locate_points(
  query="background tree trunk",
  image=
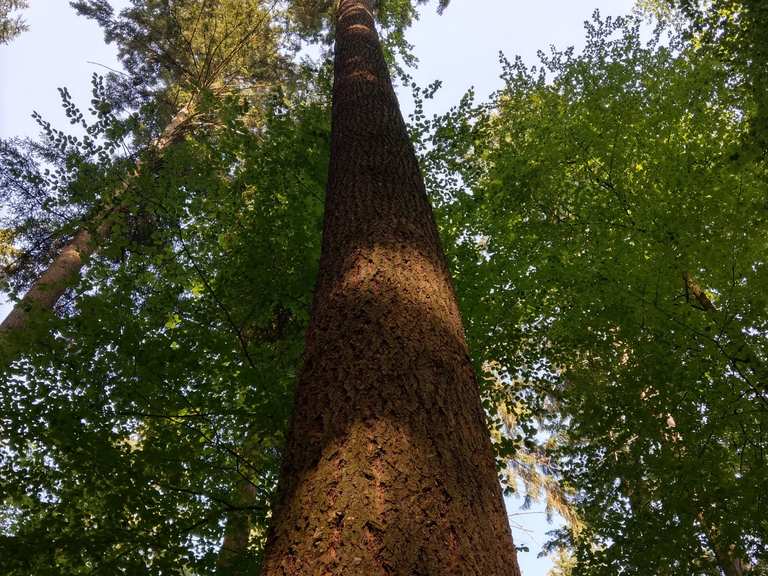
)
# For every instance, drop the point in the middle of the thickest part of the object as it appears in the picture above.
(233, 554)
(389, 467)
(64, 271)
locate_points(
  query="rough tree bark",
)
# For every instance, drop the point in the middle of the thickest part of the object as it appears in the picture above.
(48, 289)
(389, 467)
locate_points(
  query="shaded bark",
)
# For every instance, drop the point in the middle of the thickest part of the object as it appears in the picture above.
(65, 269)
(233, 555)
(389, 467)
(726, 555)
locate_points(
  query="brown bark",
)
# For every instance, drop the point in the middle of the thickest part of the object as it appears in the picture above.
(726, 555)
(46, 290)
(692, 289)
(389, 467)
(65, 269)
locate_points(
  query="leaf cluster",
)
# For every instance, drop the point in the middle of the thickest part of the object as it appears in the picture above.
(10, 25)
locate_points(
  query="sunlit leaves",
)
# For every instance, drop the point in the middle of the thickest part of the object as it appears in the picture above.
(169, 382)
(583, 195)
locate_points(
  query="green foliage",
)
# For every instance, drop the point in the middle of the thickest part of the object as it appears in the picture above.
(313, 19)
(10, 25)
(564, 564)
(131, 422)
(733, 31)
(179, 53)
(572, 208)
(392, 14)
(170, 382)
(604, 216)
(48, 186)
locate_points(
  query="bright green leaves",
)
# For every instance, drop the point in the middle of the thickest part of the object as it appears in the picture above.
(583, 195)
(169, 382)
(571, 207)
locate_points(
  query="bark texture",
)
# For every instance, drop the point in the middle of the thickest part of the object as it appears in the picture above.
(389, 467)
(65, 269)
(50, 287)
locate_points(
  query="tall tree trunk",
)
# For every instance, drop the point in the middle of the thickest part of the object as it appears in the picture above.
(48, 289)
(234, 558)
(389, 467)
(727, 557)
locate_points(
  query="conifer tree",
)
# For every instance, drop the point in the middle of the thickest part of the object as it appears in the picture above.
(179, 58)
(11, 25)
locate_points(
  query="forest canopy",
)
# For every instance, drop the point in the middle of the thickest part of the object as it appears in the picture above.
(603, 217)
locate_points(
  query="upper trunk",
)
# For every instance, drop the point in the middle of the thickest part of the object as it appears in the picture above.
(389, 467)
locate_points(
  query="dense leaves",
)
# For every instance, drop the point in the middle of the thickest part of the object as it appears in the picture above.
(170, 383)
(608, 221)
(605, 218)
(162, 427)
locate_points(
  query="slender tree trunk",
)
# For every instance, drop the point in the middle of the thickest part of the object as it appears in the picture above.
(234, 558)
(389, 468)
(743, 359)
(726, 556)
(46, 291)
(63, 272)
(237, 534)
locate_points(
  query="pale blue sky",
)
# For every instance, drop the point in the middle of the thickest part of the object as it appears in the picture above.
(460, 48)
